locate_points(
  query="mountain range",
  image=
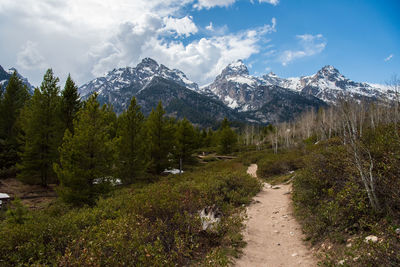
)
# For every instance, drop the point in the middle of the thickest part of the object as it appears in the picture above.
(234, 93)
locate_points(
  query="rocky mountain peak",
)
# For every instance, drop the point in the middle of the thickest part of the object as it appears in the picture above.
(329, 72)
(235, 68)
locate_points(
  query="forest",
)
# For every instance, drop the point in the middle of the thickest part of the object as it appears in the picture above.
(116, 205)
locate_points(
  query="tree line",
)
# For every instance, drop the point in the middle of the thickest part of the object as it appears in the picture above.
(54, 137)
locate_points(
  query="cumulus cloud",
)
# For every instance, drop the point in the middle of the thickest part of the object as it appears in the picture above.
(389, 58)
(88, 38)
(309, 45)
(29, 57)
(184, 26)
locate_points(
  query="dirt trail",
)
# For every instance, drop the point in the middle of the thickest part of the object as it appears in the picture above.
(273, 236)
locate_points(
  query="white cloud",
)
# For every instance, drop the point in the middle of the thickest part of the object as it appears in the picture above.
(389, 58)
(29, 57)
(272, 2)
(88, 37)
(207, 4)
(184, 26)
(309, 45)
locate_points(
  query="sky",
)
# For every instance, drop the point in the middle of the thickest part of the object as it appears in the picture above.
(88, 38)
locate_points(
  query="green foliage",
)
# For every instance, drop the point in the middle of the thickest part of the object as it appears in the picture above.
(277, 164)
(17, 213)
(227, 138)
(132, 161)
(185, 141)
(70, 103)
(160, 133)
(11, 103)
(152, 225)
(42, 132)
(86, 158)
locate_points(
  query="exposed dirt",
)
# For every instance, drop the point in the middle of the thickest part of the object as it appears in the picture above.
(33, 196)
(273, 236)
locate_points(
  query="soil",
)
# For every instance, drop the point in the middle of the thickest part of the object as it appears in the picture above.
(274, 238)
(33, 196)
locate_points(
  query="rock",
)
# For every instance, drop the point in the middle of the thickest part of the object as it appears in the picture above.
(287, 193)
(291, 233)
(398, 231)
(294, 254)
(275, 187)
(278, 244)
(341, 262)
(210, 217)
(349, 245)
(371, 238)
(276, 231)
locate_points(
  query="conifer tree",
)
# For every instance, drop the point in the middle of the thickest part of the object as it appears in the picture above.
(159, 131)
(185, 141)
(227, 138)
(86, 158)
(13, 100)
(132, 160)
(70, 103)
(42, 130)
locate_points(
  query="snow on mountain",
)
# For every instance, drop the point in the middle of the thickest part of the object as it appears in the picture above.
(6, 74)
(328, 84)
(136, 78)
(234, 86)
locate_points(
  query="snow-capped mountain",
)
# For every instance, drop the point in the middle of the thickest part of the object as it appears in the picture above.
(328, 84)
(127, 82)
(235, 87)
(6, 74)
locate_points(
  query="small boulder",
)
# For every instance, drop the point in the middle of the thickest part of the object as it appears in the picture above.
(371, 238)
(210, 217)
(397, 231)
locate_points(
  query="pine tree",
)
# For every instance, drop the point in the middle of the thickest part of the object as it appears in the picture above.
(42, 129)
(227, 138)
(159, 131)
(86, 158)
(132, 160)
(70, 103)
(185, 142)
(13, 100)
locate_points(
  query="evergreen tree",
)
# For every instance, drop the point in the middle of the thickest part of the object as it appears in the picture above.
(70, 103)
(131, 144)
(86, 158)
(13, 100)
(42, 129)
(227, 138)
(185, 141)
(159, 131)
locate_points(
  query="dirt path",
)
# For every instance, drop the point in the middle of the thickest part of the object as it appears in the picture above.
(273, 236)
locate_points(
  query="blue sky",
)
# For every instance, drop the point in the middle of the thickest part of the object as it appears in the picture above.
(87, 38)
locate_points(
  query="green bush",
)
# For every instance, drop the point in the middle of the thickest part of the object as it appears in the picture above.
(147, 225)
(278, 164)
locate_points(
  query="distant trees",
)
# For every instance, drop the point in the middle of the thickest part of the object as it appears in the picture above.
(185, 142)
(86, 157)
(131, 144)
(11, 103)
(227, 138)
(160, 133)
(70, 103)
(42, 132)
